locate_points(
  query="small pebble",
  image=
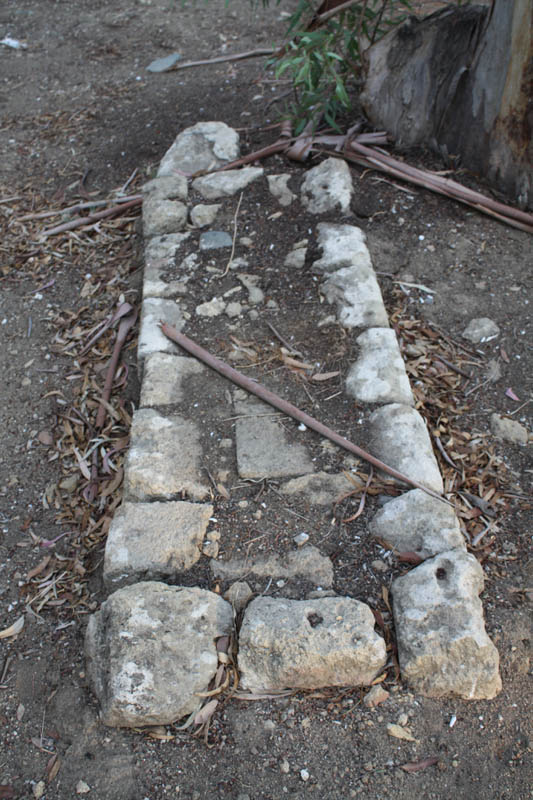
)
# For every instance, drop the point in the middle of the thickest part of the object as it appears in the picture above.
(304, 774)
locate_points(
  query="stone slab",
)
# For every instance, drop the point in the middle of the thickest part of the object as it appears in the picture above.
(306, 563)
(154, 541)
(418, 523)
(165, 378)
(308, 644)
(327, 187)
(202, 146)
(227, 183)
(169, 187)
(150, 648)
(321, 488)
(263, 448)
(399, 438)
(378, 375)
(443, 647)
(164, 459)
(160, 256)
(356, 293)
(151, 339)
(342, 246)
(162, 216)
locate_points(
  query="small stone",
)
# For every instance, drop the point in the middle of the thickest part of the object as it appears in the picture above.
(508, 429)
(210, 549)
(38, 789)
(255, 294)
(211, 308)
(227, 183)
(379, 566)
(26, 382)
(285, 767)
(233, 310)
(239, 594)
(202, 146)
(304, 774)
(400, 733)
(321, 488)
(163, 216)
(82, 788)
(277, 185)
(301, 539)
(327, 187)
(403, 719)
(164, 64)
(375, 696)
(306, 563)
(296, 258)
(481, 329)
(215, 240)
(203, 215)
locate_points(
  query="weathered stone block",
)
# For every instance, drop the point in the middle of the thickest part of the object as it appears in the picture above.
(163, 216)
(307, 644)
(442, 644)
(226, 184)
(154, 541)
(378, 375)
(150, 647)
(322, 488)
(305, 564)
(159, 258)
(165, 378)
(327, 187)
(202, 146)
(357, 295)
(342, 246)
(151, 339)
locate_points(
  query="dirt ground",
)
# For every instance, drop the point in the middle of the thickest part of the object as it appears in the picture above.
(80, 113)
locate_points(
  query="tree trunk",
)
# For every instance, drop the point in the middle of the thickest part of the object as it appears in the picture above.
(461, 81)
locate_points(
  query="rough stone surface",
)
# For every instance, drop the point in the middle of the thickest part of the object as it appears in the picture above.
(508, 429)
(357, 295)
(202, 146)
(164, 459)
(226, 184)
(165, 377)
(306, 563)
(342, 246)
(277, 185)
(151, 339)
(481, 330)
(417, 523)
(162, 216)
(263, 447)
(160, 257)
(255, 294)
(203, 215)
(327, 187)
(399, 438)
(211, 308)
(295, 259)
(378, 375)
(307, 644)
(170, 187)
(321, 488)
(150, 647)
(214, 240)
(154, 541)
(442, 644)
(239, 595)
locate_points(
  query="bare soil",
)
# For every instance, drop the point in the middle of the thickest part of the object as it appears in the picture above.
(79, 114)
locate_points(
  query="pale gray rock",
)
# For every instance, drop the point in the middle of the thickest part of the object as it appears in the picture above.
(327, 187)
(278, 187)
(203, 215)
(357, 295)
(169, 187)
(417, 523)
(296, 258)
(442, 644)
(160, 256)
(165, 378)
(481, 330)
(211, 308)
(151, 338)
(163, 64)
(154, 541)
(263, 447)
(399, 438)
(308, 644)
(150, 648)
(233, 310)
(321, 488)
(255, 293)
(508, 429)
(227, 183)
(164, 459)
(163, 216)
(378, 375)
(239, 595)
(214, 240)
(202, 146)
(306, 563)
(342, 246)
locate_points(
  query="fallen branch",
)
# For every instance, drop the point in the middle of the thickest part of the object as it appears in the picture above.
(136, 200)
(220, 59)
(283, 405)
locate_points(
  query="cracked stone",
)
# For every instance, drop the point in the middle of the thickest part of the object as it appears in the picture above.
(306, 563)
(160, 257)
(378, 375)
(202, 146)
(151, 338)
(342, 246)
(165, 377)
(356, 293)
(327, 187)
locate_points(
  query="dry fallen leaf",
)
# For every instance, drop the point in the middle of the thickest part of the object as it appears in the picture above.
(45, 437)
(13, 629)
(206, 712)
(400, 733)
(509, 392)
(324, 376)
(416, 766)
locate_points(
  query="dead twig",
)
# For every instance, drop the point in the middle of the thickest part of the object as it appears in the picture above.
(228, 265)
(263, 51)
(108, 212)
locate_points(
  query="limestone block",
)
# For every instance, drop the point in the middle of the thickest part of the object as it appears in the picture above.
(159, 258)
(263, 447)
(442, 644)
(306, 563)
(154, 541)
(399, 438)
(164, 459)
(307, 644)
(227, 183)
(356, 293)
(321, 488)
(151, 339)
(202, 146)
(165, 378)
(378, 375)
(327, 187)
(150, 647)
(418, 523)
(342, 246)
(163, 216)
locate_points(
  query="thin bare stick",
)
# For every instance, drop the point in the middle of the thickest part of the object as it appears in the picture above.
(228, 265)
(283, 405)
(284, 341)
(220, 59)
(78, 223)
